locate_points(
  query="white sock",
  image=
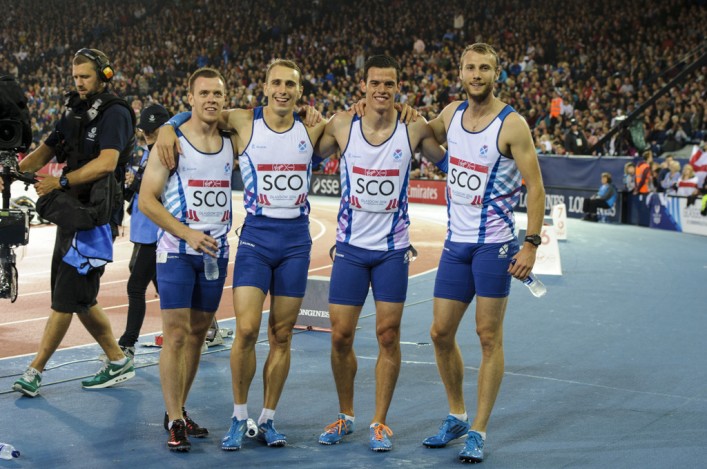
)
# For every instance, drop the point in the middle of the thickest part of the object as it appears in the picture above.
(267, 414)
(122, 361)
(350, 418)
(240, 411)
(463, 417)
(483, 434)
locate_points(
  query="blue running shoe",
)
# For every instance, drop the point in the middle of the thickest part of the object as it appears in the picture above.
(268, 434)
(451, 429)
(474, 449)
(335, 432)
(379, 437)
(234, 438)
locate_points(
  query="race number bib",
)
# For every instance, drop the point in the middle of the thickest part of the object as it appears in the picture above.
(467, 182)
(282, 185)
(208, 201)
(375, 190)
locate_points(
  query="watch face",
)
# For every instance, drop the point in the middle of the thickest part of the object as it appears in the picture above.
(534, 239)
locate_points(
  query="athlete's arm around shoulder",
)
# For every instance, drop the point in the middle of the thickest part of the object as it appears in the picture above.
(335, 134)
(422, 135)
(239, 121)
(440, 124)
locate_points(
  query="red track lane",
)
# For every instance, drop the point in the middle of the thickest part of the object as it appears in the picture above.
(22, 322)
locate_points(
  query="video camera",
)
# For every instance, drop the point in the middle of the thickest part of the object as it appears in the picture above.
(15, 136)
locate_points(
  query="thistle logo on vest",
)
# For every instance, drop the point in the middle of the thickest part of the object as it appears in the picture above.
(227, 168)
(302, 146)
(397, 154)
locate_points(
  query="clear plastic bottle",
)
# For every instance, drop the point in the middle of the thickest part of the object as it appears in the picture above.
(210, 267)
(536, 287)
(8, 451)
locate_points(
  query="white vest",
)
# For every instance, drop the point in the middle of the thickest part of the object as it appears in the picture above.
(374, 183)
(276, 168)
(483, 185)
(198, 194)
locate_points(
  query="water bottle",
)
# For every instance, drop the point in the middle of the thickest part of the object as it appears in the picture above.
(210, 267)
(536, 287)
(251, 429)
(8, 451)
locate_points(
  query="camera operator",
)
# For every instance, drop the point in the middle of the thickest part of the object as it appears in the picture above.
(93, 136)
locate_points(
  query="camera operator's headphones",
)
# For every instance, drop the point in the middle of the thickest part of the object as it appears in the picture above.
(103, 68)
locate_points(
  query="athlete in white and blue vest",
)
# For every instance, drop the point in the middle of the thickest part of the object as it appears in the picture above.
(490, 148)
(192, 207)
(372, 239)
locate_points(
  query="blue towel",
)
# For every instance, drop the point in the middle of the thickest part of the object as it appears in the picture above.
(90, 249)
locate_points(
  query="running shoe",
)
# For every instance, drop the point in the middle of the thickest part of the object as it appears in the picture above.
(193, 428)
(379, 434)
(451, 429)
(335, 432)
(473, 451)
(270, 436)
(110, 374)
(178, 440)
(234, 438)
(30, 382)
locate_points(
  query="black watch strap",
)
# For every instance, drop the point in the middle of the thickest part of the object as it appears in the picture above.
(535, 240)
(64, 181)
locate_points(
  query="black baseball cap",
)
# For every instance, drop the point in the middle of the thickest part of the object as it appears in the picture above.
(152, 117)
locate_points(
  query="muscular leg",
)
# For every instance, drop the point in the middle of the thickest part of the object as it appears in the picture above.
(343, 359)
(176, 327)
(489, 328)
(54, 332)
(97, 324)
(450, 364)
(388, 317)
(200, 323)
(248, 308)
(283, 315)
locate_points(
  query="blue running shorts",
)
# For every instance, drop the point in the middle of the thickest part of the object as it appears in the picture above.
(273, 255)
(468, 269)
(356, 268)
(182, 283)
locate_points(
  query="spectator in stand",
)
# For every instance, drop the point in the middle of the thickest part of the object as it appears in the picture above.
(332, 164)
(687, 185)
(629, 177)
(670, 180)
(575, 141)
(605, 198)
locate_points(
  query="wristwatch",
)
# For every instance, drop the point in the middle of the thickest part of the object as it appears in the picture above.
(535, 240)
(64, 182)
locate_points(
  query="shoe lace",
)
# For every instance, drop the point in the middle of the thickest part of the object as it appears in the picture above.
(337, 427)
(29, 374)
(103, 368)
(379, 429)
(177, 430)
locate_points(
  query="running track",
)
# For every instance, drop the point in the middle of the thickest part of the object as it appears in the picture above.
(22, 322)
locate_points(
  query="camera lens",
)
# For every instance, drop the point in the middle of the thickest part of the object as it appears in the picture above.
(10, 134)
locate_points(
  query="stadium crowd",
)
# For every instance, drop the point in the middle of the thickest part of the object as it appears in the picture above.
(598, 60)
